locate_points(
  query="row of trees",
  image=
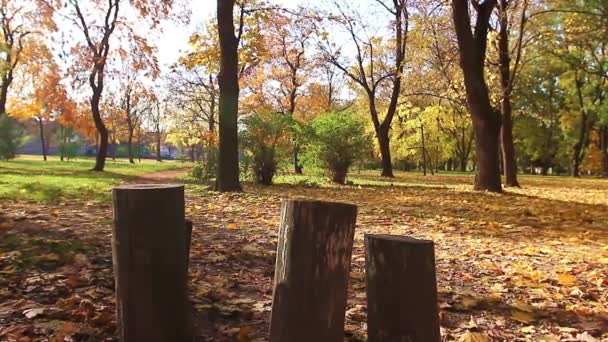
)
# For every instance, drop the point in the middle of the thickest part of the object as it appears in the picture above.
(494, 85)
(468, 73)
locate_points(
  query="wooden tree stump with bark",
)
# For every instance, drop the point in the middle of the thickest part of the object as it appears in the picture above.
(149, 248)
(401, 289)
(312, 271)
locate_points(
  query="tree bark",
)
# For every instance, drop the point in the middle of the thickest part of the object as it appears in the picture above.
(486, 122)
(578, 150)
(506, 84)
(423, 150)
(604, 149)
(42, 140)
(130, 145)
(312, 271)
(149, 250)
(385, 151)
(102, 152)
(228, 159)
(401, 289)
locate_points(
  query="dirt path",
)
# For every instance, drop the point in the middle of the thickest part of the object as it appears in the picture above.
(167, 176)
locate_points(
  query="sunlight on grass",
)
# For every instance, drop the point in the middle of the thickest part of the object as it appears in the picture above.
(30, 178)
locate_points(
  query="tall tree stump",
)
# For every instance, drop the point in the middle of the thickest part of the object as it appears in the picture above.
(149, 249)
(401, 289)
(312, 271)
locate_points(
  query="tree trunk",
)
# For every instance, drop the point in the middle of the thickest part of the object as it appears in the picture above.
(42, 140)
(228, 161)
(506, 133)
(158, 143)
(312, 271)
(423, 150)
(150, 254)
(63, 142)
(102, 152)
(7, 79)
(487, 146)
(401, 289)
(486, 122)
(463, 164)
(385, 152)
(604, 149)
(296, 161)
(130, 145)
(578, 150)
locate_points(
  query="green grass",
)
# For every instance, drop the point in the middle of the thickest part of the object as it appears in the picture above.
(32, 179)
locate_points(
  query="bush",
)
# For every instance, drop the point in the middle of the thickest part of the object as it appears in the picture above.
(69, 150)
(206, 169)
(11, 137)
(336, 140)
(267, 142)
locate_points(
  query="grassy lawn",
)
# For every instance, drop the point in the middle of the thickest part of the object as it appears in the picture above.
(30, 178)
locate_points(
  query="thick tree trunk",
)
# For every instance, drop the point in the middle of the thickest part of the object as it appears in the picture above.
(102, 152)
(463, 163)
(486, 122)
(158, 143)
(228, 161)
(487, 146)
(42, 140)
(385, 151)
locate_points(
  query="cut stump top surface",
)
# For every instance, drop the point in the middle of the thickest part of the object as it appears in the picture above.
(148, 186)
(398, 238)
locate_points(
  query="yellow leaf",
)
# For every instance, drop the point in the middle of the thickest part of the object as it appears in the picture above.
(55, 212)
(232, 226)
(566, 279)
(473, 337)
(523, 316)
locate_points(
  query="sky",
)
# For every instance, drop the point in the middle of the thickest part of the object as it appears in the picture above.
(173, 41)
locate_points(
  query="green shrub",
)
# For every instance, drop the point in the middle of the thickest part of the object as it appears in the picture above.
(267, 142)
(206, 169)
(336, 141)
(11, 137)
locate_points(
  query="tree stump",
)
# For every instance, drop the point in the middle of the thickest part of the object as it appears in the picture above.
(312, 271)
(401, 289)
(149, 249)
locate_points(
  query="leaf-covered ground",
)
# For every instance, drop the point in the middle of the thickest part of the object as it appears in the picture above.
(531, 265)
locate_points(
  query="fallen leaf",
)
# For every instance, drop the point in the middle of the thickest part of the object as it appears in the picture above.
(31, 313)
(523, 316)
(566, 279)
(473, 337)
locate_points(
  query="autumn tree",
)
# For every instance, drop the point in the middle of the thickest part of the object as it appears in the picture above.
(100, 23)
(377, 63)
(486, 120)
(20, 22)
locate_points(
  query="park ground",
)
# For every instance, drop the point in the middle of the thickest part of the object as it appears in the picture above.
(529, 265)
